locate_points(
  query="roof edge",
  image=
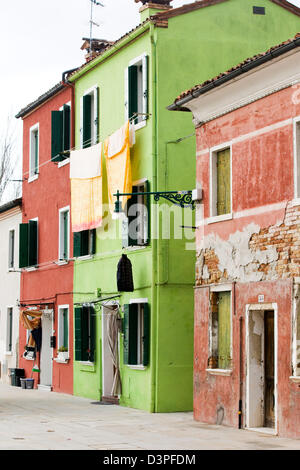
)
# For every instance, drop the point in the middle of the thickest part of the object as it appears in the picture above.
(42, 99)
(10, 205)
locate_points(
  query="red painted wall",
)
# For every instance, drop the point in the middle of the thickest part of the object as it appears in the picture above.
(262, 174)
(43, 198)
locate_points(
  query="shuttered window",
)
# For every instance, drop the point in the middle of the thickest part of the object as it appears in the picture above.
(60, 133)
(84, 243)
(136, 334)
(11, 249)
(28, 244)
(220, 330)
(64, 230)
(223, 182)
(85, 334)
(34, 152)
(136, 90)
(136, 224)
(63, 327)
(89, 118)
(9, 331)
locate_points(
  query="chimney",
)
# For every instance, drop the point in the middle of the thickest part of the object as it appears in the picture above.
(98, 46)
(151, 8)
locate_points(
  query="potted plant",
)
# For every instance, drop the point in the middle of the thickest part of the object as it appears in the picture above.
(63, 353)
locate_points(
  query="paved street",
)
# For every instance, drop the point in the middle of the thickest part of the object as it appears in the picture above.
(33, 420)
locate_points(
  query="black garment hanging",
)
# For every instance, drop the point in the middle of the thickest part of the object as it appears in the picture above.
(124, 275)
(37, 336)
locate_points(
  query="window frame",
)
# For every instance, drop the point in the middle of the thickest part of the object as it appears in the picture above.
(296, 142)
(92, 240)
(63, 157)
(11, 248)
(213, 216)
(33, 266)
(61, 327)
(222, 288)
(79, 354)
(143, 90)
(9, 330)
(142, 351)
(144, 240)
(34, 170)
(61, 234)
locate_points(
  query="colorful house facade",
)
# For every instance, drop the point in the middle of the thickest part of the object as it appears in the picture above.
(45, 242)
(247, 315)
(10, 218)
(143, 339)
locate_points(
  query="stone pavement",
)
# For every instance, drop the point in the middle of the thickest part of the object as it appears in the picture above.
(38, 420)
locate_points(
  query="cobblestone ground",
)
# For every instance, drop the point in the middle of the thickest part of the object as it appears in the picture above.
(34, 420)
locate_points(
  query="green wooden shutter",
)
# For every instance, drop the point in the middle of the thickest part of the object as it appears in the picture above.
(78, 333)
(224, 330)
(56, 135)
(36, 152)
(126, 334)
(146, 336)
(87, 129)
(132, 233)
(85, 242)
(145, 87)
(92, 235)
(133, 332)
(92, 333)
(65, 234)
(66, 128)
(23, 245)
(85, 334)
(33, 243)
(223, 182)
(133, 91)
(96, 115)
(76, 244)
(147, 215)
(66, 328)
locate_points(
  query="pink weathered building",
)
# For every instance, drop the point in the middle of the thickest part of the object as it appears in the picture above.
(247, 292)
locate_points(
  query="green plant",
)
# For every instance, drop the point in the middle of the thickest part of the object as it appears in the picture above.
(63, 349)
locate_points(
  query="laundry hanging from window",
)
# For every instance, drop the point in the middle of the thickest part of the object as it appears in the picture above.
(86, 188)
(31, 320)
(118, 165)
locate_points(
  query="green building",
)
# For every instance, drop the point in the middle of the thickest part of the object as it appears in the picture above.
(139, 75)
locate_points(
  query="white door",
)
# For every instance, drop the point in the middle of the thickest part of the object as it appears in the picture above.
(46, 352)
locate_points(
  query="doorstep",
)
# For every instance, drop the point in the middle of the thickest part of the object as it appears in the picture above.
(45, 388)
(112, 400)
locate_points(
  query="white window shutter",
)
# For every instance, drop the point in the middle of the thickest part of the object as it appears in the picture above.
(145, 87)
(126, 97)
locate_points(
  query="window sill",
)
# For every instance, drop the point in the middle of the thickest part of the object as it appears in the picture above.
(84, 257)
(219, 218)
(61, 361)
(61, 262)
(31, 268)
(137, 367)
(135, 248)
(32, 178)
(295, 379)
(140, 125)
(8, 353)
(223, 372)
(63, 163)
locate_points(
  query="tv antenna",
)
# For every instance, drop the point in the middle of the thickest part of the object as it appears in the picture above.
(92, 22)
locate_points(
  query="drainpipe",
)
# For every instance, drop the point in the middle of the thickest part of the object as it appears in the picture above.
(240, 375)
(154, 288)
(72, 85)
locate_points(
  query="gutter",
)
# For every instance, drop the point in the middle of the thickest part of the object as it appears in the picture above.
(109, 52)
(246, 67)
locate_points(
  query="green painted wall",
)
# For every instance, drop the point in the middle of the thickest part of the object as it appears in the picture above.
(195, 46)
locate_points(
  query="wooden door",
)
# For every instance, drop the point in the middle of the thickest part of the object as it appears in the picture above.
(269, 370)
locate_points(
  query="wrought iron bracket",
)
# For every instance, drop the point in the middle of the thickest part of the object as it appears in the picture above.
(179, 198)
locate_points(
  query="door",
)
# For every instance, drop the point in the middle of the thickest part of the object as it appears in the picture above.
(269, 370)
(108, 369)
(46, 352)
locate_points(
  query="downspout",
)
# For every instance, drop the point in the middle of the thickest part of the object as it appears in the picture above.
(240, 412)
(153, 403)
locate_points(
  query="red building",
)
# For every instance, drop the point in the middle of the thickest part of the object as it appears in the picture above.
(247, 307)
(45, 241)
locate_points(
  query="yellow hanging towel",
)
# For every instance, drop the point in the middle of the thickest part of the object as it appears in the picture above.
(86, 188)
(118, 166)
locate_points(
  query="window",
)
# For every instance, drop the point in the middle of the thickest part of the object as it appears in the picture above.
(297, 157)
(135, 224)
(85, 334)
(34, 152)
(28, 244)
(61, 133)
(63, 327)
(9, 329)
(84, 243)
(136, 90)
(11, 249)
(136, 331)
(89, 131)
(220, 330)
(64, 233)
(220, 182)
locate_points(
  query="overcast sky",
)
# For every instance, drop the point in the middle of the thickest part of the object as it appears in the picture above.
(40, 39)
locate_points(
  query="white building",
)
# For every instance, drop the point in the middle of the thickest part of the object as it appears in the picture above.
(10, 218)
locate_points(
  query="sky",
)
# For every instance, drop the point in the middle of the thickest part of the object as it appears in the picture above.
(40, 39)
